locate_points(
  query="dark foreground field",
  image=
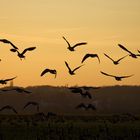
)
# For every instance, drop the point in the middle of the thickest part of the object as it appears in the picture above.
(39, 127)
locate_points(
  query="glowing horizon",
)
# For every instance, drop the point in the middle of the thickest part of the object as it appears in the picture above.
(43, 23)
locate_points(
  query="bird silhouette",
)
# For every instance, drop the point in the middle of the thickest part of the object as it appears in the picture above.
(86, 106)
(32, 103)
(118, 78)
(82, 93)
(76, 90)
(138, 51)
(86, 94)
(72, 48)
(71, 72)
(9, 42)
(90, 55)
(115, 62)
(130, 53)
(22, 55)
(9, 107)
(20, 90)
(52, 71)
(6, 80)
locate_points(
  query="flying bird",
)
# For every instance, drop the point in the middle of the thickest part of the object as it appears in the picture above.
(22, 55)
(9, 107)
(76, 90)
(52, 71)
(116, 62)
(86, 94)
(32, 103)
(130, 53)
(90, 55)
(86, 106)
(71, 72)
(118, 78)
(6, 80)
(9, 42)
(82, 93)
(72, 48)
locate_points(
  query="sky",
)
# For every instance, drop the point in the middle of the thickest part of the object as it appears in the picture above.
(42, 23)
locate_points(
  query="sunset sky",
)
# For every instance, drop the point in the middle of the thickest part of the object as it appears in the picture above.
(42, 23)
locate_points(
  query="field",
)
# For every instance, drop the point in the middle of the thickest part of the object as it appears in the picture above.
(39, 127)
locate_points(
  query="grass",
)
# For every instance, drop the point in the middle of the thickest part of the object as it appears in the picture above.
(120, 127)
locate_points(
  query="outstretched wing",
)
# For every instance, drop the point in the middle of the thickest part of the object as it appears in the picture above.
(45, 71)
(28, 49)
(14, 110)
(13, 46)
(108, 57)
(90, 55)
(75, 90)
(66, 41)
(122, 58)
(107, 74)
(126, 76)
(85, 57)
(121, 46)
(9, 42)
(10, 79)
(77, 68)
(27, 105)
(67, 66)
(82, 105)
(79, 44)
(91, 106)
(5, 41)
(88, 94)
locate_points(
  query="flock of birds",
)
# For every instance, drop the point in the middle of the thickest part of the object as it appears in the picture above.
(71, 71)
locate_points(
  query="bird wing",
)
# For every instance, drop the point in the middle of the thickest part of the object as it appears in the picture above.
(10, 79)
(97, 57)
(77, 68)
(85, 57)
(138, 51)
(88, 94)
(121, 46)
(108, 57)
(5, 41)
(45, 71)
(107, 74)
(90, 55)
(27, 105)
(28, 49)
(82, 105)
(66, 41)
(27, 91)
(3, 108)
(14, 110)
(126, 76)
(76, 90)
(122, 58)
(13, 46)
(67, 66)
(79, 44)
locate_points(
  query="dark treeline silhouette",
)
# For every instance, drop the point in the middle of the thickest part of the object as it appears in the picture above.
(61, 100)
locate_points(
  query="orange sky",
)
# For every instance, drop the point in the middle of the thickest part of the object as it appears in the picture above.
(42, 23)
